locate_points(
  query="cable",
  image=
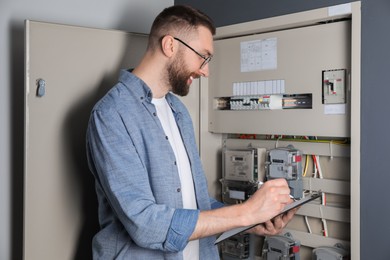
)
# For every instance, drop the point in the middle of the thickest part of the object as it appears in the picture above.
(306, 166)
(316, 159)
(307, 224)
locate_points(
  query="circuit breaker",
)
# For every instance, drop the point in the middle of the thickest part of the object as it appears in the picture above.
(333, 87)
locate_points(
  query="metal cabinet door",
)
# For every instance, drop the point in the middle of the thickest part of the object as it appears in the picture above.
(78, 65)
(68, 68)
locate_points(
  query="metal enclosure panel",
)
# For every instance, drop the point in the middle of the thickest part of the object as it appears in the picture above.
(78, 65)
(302, 54)
(212, 141)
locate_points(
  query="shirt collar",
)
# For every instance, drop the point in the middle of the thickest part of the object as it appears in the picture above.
(143, 92)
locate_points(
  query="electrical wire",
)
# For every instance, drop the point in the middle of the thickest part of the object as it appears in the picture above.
(316, 159)
(308, 225)
(306, 165)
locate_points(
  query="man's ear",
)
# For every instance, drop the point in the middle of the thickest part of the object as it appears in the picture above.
(168, 45)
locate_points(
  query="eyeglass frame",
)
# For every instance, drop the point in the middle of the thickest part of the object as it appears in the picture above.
(206, 59)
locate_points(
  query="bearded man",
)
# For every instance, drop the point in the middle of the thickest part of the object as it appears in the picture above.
(151, 188)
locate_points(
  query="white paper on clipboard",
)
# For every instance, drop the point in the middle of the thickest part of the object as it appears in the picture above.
(288, 207)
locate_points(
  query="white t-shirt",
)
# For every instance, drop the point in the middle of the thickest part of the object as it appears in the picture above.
(164, 113)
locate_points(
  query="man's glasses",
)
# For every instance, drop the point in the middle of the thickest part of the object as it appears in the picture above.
(206, 59)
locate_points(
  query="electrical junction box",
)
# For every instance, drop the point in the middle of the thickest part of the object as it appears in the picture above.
(330, 253)
(333, 87)
(281, 248)
(286, 162)
(236, 247)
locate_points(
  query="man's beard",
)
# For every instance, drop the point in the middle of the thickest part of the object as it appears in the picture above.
(178, 76)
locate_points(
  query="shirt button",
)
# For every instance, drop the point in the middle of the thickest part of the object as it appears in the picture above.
(178, 190)
(154, 113)
(174, 162)
(166, 137)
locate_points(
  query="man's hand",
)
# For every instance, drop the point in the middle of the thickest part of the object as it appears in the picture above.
(267, 202)
(275, 225)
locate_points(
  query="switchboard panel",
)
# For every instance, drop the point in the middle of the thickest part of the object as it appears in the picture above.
(278, 77)
(287, 93)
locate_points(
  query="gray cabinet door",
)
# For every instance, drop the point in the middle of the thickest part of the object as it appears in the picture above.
(78, 65)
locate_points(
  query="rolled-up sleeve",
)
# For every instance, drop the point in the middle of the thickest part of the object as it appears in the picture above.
(215, 204)
(182, 226)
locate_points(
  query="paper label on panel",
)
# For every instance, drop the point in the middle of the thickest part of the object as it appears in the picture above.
(340, 9)
(259, 55)
(334, 109)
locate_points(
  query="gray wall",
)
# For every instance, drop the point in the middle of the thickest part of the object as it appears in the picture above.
(375, 128)
(127, 15)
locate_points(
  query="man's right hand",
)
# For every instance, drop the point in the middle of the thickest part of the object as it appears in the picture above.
(267, 202)
(264, 204)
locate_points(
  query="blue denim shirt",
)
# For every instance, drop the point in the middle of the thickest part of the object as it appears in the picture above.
(137, 183)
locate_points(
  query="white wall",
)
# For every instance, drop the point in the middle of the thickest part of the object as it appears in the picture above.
(127, 15)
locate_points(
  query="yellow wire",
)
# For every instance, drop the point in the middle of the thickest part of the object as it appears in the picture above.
(341, 142)
(306, 165)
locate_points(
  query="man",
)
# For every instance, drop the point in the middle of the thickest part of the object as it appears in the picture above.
(151, 189)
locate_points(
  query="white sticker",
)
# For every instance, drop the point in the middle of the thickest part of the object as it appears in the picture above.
(340, 9)
(334, 109)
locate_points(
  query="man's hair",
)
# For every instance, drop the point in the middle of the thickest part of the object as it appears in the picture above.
(178, 21)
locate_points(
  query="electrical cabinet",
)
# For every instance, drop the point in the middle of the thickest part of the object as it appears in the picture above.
(289, 81)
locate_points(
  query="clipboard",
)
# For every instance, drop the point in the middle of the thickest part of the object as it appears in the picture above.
(288, 207)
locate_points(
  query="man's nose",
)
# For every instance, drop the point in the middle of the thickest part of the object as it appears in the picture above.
(204, 71)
